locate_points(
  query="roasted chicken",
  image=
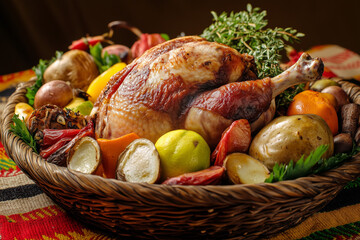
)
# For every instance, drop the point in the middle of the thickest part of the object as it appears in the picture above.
(190, 83)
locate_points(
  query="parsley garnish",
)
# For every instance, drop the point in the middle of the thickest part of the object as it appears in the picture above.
(313, 164)
(20, 129)
(39, 72)
(245, 31)
(103, 62)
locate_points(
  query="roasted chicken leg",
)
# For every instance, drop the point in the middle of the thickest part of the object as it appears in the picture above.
(190, 83)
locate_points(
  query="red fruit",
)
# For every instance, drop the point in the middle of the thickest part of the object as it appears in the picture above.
(210, 176)
(236, 138)
(145, 42)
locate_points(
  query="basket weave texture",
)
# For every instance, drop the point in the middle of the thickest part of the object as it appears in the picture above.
(162, 211)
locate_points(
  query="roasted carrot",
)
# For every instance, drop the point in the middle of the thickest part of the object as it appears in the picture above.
(110, 150)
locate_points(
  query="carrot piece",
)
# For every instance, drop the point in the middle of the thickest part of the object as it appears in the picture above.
(110, 149)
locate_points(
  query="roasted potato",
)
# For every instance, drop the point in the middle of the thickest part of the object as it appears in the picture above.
(289, 137)
(56, 92)
(76, 67)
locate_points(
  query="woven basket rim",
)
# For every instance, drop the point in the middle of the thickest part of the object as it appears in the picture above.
(84, 182)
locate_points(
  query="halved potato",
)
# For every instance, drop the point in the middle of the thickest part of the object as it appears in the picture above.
(84, 156)
(242, 168)
(139, 162)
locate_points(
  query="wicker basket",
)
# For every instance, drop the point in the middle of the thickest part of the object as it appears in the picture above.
(162, 212)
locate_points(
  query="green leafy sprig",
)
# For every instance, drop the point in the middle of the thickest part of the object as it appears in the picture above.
(39, 72)
(245, 31)
(284, 99)
(20, 129)
(103, 61)
(313, 164)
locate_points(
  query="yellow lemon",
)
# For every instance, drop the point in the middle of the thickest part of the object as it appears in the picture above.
(97, 85)
(182, 151)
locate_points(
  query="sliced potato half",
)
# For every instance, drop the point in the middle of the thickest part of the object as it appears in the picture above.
(242, 168)
(84, 156)
(139, 162)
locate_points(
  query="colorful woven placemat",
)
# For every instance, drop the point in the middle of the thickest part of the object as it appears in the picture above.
(28, 213)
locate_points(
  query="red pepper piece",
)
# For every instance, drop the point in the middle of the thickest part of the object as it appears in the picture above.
(210, 176)
(84, 43)
(60, 155)
(45, 153)
(236, 138)
(51, 136)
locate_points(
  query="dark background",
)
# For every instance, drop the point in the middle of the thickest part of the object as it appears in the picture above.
(34, 29)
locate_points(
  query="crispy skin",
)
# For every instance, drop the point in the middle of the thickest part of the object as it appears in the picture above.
(152, 95)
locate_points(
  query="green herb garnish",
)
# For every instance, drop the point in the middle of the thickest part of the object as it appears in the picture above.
(313, 164)
(20, 129)
(165, 36)
(284, 99)
(105, 61)
(39, 72)
(245, 32)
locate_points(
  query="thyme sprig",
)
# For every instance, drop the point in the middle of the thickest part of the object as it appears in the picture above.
(245, 31)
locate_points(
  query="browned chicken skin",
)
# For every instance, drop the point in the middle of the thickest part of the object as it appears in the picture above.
(187, 83)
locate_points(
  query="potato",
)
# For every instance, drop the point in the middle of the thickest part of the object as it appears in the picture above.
(343, 143)
(76, 67)
(56, 92)
(244, 169)
(84, 156)
(341, 97)
(139, 162)
(289, 137)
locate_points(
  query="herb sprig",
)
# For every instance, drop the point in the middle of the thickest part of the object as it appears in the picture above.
(245, 31)
(20, 129)
(39, 72)
(313, 164)
(105, 61)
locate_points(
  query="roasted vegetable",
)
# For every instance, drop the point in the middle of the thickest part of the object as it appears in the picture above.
(97, 85)
(242, 169)
(341, 97)
(236, 138)
(210, 176)
(56, 92)
(111, 149)
(39, 71)
(139, 163)
(60, 155)
(75, 66)
(350, 117)
(343, 143)
(289, 137)
(53, 117)
(84, 156)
